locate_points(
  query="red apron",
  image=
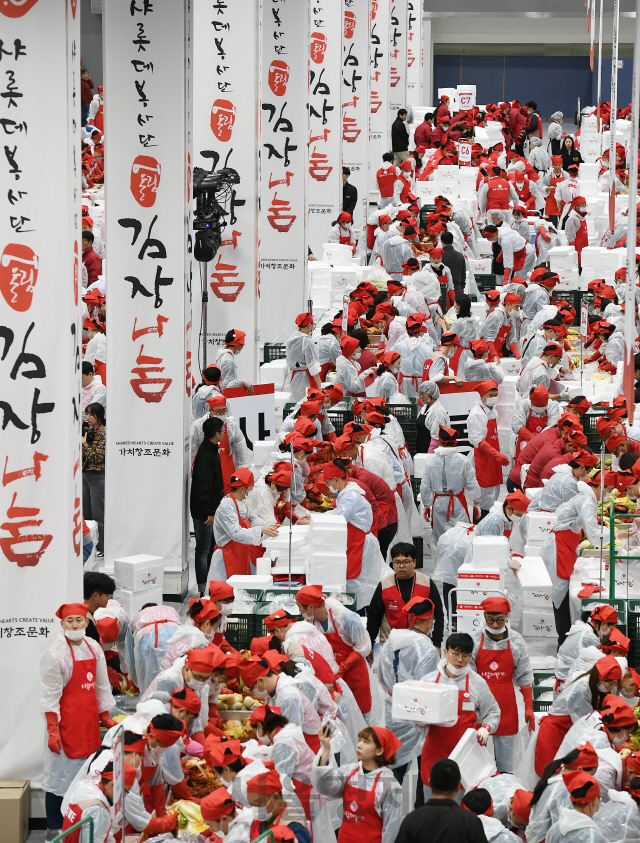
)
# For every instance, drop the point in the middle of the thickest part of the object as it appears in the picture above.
(79, 716)
(101, 369)
(74, 815)
(429, 363)
(582, 238)
(98, 120)
(355, 548)
(551, 732)
(359, 811)
(496, 667)
(227, 464)
(488, 470)
(237, 556)
(460, 496)
(356, 677)
(345, 239)
(536, 424)
(455, 361)
(441, 740)
(566, 545)
(502, 335)
(416, 380)
(551, 206)
(303, 792)
(519, 258)
(320, 665)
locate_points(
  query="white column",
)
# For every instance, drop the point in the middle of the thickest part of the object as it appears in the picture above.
(427, 63)
(414, 52)
(283, 155)
(324, 177)
(379, 137)
(225, 125)
(355, 99)
(148, 170)
(397, 58)
(40, 271)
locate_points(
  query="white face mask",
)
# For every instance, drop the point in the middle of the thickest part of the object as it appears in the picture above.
(75, 634)
(603, 688)
(616, 740)
(222, 417)
(491, 402)
(260, 812)
(259, 695)
(309, 618)
(226, 608)
(208, 636)
(196, 684)
(493, 630)
(265, 739)
(519, 184)
(457, 671)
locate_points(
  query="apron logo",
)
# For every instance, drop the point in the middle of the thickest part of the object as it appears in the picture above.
(89, 676)
(494, 665)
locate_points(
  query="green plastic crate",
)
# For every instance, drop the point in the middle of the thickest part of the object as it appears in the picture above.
(485, 282)
(619, 603)
(406, 414)
(274, 351)
(242, 629)
(633, 632)
(339, 416)
(540, 704)
(574, 297)
(589, 421)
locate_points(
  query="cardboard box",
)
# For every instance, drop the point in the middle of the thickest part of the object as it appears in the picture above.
(14, 810)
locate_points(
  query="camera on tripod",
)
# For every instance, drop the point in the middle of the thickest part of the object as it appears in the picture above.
(211, 190)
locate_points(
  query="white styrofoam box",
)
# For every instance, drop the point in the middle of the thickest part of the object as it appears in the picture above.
(273, 372)
(474, 760)
(469, 174)
(589, 171)
(535, 582)
(510, 366)
(470, 616)
(424, 702)
(336, 253)
(447, 173)
(591, 257)
(321, 298)
(343, 278)
(263, 566)
(614, 258)
(133, 601)
(141, 572)
(509, 385)
(328, 567)
(328, 532)
(418, 464)
(491, 550)
(538, 624)
(478, 584)
(483, 246)
(262, 451)
(539, 526)
(250, 581)
(319, 274)
(480, 266)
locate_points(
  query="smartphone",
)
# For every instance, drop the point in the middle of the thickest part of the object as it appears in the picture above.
(328, 727)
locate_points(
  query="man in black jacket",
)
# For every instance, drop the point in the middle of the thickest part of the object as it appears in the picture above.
(455, 261)
(400, 138)
(207, 490)
(441, 819)
(349, 193)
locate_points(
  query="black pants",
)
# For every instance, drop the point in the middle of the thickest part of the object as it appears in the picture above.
(446, 588)
(563, 619)
(511, 486)
(484, 513)
(385, 536)
(401, 771)
(553, 219)
(52, 805)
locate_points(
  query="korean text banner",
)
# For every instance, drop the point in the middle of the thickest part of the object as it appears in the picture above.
(147, 73)
(225, 123)
(398, 58)
(414, 52)
(40, 271)
(379, 124)
(284, 135)
(355, 97)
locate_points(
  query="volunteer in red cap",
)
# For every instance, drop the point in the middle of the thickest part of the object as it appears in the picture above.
(504, 520)
(396, 250)
(386, 385)
(482, 427)
(407, 652)
(590, 629)
(576, 226)
(437, 366)
(516, 253)
(442, 272)
(232, 447)
(341, 231)
(542, 371)
(224, 816)
(548, 184)
(225, 360)
(555, 453)
(566, 191)
(566, 423)
(496, 193)
(270, 808)
(532, 415)
(351, 377)
(552, 330)
(500, 656)
(328, 345)
(414, 347)
(237, 529)
(389, 183)
(209, 386)
(223, 596)
(93, 800)
(519, 222)
(381, 233)
(75, 698)
(448, 475)
(371, 795)
(578, 824)
(584, 695)
(500, 328)
(346, 633)
(302, 359)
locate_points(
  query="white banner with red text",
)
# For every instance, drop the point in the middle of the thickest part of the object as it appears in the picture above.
(414, 52)
(379, 125)
(397, 58)
(148, 168)
(355, 98)
(40, 500)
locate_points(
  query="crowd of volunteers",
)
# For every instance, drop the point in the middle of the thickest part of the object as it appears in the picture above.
(324, 754)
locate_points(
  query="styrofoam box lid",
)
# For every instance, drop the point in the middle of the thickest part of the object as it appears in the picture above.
(140, 560)
(264, 445)
(533, 573)
(468, 569)
(282, 542)
(485, 543)
(540, 519)
(474, 760)
(249, 581)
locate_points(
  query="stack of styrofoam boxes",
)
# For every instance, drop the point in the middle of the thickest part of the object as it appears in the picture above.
(537, 606)
(319, 286)
(480, 578)
(506, 406)
(467, 178)
(344, 279)
(328, 560)
(494, 131)
(139, 580)
(612, 260)
(274, 372)
(336, 253)
(262, 451)
(592, 264)
(589, 139)
(563, 260)
(483, 247)
(588, 180)
(278, 550)
(447, 180)
(539, 527)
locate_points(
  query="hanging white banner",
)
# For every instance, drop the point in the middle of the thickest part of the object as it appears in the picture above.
(355, 97)
(379, 125)
(40, 509)
(225, 125)
(324, 176)
(148, 197)
(397, 58)
(284, 88)
(414, 52)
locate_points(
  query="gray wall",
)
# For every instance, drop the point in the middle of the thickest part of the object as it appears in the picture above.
(91, 41)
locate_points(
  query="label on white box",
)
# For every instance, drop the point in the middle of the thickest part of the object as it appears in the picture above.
(538, 624)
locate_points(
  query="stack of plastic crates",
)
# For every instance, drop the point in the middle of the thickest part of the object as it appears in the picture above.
(485, 282)
(407, 414)
(341, 414)
(543, 684)
(416, 482)
(274, 351)
(589, 421)
(243, 628)
(633, 632)
(425, 210)
(574, 297)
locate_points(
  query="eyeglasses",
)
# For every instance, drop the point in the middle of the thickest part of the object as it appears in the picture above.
(403, 562)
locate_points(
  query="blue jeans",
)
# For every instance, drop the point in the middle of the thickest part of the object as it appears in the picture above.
(86, 551)
(205, 542)
(52, 805)
(84, 114)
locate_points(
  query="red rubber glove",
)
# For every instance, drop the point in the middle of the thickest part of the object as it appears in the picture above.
(199, 737)
(527, 693)
(54, 742)
(514, 350)
(159, 825)
(493, 354)
(485, 448)
(525, 433)
(593, 358)
(352, 659)
(542, 231)
(427, 513)
(114, 678)
(507, 275)
(181, 791)
(105, 720)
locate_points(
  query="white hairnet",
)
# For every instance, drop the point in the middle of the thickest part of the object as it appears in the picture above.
(557, 115)
(430, 388)
(535, 141)
(520, 166)
(498, 215)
